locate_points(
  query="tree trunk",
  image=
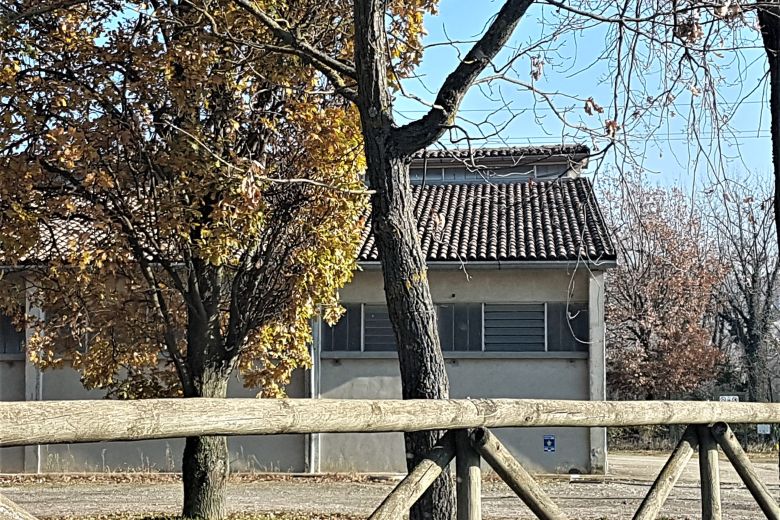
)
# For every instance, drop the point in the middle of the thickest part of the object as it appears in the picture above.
(769, 18)
(205, 465)
(408, 295)
(756, 373)
(205, 472)
(413, 315)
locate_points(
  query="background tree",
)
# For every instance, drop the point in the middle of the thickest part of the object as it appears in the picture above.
(660, 300)
(742, 218)
(180, 205)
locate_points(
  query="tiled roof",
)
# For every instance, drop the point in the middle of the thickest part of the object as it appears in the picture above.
(534, 221)
(555, 220)
(507, 151)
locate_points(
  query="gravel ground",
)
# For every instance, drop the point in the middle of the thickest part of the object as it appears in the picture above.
(614, 497)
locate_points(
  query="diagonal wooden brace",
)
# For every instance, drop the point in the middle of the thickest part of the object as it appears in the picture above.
(739, 459)
(412, 487)
(11, 511)
(521, 482)
(667, 478)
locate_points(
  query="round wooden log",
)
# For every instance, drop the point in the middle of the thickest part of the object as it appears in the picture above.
(468, 478)
(11, 511)
(412, 487)
(709, 473)
(513, 473)
(667, 478)
(51, 422)
(739, 459)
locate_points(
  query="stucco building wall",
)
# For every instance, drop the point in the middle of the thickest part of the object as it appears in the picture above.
(11, 389)
(528, 377)
(554, 375)
(551, 375)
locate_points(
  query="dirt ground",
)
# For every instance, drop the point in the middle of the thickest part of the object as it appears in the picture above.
(616, 496)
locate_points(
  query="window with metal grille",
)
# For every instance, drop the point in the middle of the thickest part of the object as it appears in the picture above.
(460, 326)
(470, 327)
(378, 333)
(11, 339)
(515, 327)
(567, 327)
(346, 334)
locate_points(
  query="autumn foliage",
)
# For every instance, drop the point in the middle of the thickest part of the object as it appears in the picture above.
(161, 185)
(660, 298)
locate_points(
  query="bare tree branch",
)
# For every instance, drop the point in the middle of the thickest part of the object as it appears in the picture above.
(426, 130)
(319, 59)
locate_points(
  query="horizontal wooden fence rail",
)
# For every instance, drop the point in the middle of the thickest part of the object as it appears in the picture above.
(51, 422)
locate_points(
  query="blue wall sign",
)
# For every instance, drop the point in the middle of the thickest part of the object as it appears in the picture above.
(549, 443)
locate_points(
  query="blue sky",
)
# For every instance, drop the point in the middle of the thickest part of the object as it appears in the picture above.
(575, 68)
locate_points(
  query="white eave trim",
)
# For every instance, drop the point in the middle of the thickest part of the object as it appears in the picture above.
(593, 265)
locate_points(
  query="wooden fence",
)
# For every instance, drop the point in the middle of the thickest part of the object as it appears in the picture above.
(468, 439)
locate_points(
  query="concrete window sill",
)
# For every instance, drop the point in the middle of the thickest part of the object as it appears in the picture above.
(12, 357)
(461, 355)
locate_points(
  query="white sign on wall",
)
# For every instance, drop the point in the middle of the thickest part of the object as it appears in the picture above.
(764, 429)
(730, 398)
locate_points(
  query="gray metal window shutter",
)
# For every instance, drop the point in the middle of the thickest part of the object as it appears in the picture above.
(517, 327)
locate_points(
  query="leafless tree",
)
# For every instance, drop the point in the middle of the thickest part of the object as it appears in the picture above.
(742, 216)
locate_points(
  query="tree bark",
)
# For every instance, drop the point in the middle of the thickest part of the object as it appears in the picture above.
(205, 472)
(408, 295)
(769, 18)
(205, 463)
(756, 373)
(412, 312)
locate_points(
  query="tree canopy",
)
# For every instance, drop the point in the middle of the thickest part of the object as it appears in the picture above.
(661, 297)
(178, 205)
(153, 174)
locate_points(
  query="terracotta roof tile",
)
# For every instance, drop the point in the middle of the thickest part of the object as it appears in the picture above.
(506, 151)
(535, 221)
(556, 220)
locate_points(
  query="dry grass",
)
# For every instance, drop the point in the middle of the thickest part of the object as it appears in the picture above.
(234, 516)
(167, 478)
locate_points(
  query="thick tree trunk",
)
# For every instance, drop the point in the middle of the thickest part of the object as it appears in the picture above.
(408, 295)
(205, 472)
(412, 312)
(205, 464)
(756, 372)
(769, 18)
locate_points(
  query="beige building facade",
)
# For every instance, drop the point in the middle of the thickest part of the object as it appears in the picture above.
(517, 256)
(374, 375)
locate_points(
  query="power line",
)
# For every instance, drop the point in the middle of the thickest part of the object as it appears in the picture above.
(546, 108)
(651, 138)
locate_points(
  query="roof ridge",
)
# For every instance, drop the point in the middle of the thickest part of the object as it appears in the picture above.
(502, 151)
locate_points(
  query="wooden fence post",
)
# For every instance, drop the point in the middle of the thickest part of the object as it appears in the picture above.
(667, 478)
(709, 473)
(469, 478)
(514, 475)
(11, 511)
(745, 469)
(412, 487)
